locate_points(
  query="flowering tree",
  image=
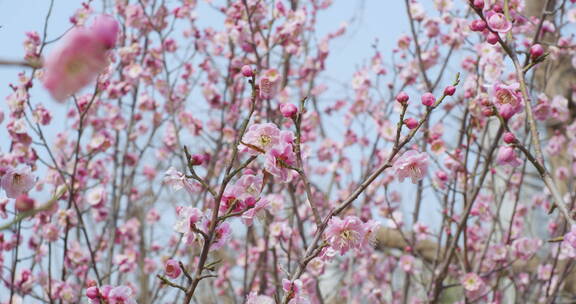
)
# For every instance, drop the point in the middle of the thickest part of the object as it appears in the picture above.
(199, 165)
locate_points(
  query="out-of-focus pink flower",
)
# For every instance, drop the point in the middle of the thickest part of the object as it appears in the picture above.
(24, 203)
(106, 29)
(345, 234)
(524, 248)
(177, 180)
(172, 269)
(254, 298)
(17, 181)
(121, 295)
(407, 263)
(570, 237)
(294, 291)
(110, 295)
(187, 217)
(507, 156)
(412, 164)
(497, 22)
(80, 58)
(472, 282)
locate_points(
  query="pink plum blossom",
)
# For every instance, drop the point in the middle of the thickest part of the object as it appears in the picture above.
(172, 269)
(411, 164)
(80, 57)
(17, 181)
(348, 233)
(570, 237)
(507, 156)
(497, 22)
(260, 138)
(177, 180)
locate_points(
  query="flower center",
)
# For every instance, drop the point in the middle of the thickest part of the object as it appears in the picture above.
(17, 179)
(265, 140)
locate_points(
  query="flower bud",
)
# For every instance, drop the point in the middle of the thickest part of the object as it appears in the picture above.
(288, 110)
(24, 203)
(449, 90)
(411, 123)
(536, 51)
(247, 71)
(478, 25)
(509, 138)
(492, 38)
(428, 99)
(479, 4)
(402, 98)
(92, 293)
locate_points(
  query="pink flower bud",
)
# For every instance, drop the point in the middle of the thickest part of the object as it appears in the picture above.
(479, 4)
(247, 71)
(411, 123)
(487, 112)
(536, 51)
(478, 25)
(288, 110)
(428, 99)
(492, 38)
(197, 159)
(172, 269)
(402, 98)
(24, 203)
(506, 111)
(92, 293)
(449, 90)
(509, 137)
(442, 176)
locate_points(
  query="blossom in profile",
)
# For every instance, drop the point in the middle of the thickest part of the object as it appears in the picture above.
(80, 57)
(172, 269)
(412, 164)
(17, 181)
(507, 156)
(177, 180)
(348, 233)
(279, 160)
